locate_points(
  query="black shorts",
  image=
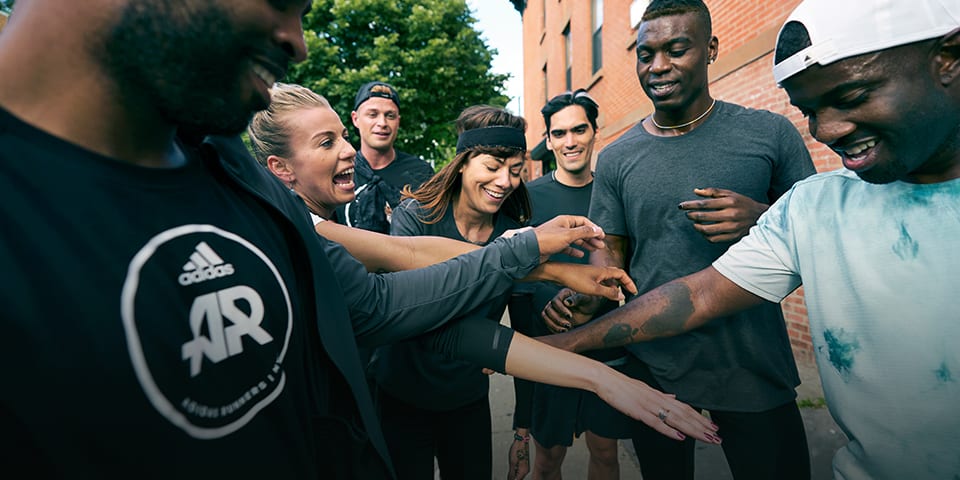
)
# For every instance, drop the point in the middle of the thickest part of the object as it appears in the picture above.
(562, 414)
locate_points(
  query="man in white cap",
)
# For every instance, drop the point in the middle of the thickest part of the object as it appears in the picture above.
(874, 243)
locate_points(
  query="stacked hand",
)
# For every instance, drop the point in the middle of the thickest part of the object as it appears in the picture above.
(590, 280)
(569, 309)
(563, 232)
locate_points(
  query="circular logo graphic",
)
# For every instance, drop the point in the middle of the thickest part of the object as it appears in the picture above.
(208, 318)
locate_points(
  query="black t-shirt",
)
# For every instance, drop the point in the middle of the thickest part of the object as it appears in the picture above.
(166, 322)
(375, 189)
(549, 198)
(153, 325)
(407, 370)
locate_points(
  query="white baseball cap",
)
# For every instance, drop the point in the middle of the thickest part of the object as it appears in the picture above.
(841, 29)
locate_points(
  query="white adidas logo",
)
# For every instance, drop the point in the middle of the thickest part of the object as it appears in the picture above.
(204, 264)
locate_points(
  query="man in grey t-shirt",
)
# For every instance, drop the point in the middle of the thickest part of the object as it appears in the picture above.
(722, 164)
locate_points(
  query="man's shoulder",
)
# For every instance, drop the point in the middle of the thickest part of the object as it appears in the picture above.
(840, 178)
(406, 169)
(752, 118)
(411, 162)
(826, 191)
(634, 134)
(233, 155)
(404, 156)
(539, 182)
(626, 142)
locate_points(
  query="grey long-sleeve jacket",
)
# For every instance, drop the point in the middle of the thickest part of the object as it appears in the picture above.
(382, 308)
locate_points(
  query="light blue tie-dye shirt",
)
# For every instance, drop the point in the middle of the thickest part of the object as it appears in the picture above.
(879, 266)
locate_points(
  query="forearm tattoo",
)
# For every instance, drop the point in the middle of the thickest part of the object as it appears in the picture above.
(619, 334)
(677, 308)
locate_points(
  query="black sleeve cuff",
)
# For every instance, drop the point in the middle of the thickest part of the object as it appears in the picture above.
(474, 338)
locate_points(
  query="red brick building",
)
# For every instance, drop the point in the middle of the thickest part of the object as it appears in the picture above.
(570, 44)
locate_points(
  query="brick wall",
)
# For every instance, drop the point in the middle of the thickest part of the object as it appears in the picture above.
(742, 74)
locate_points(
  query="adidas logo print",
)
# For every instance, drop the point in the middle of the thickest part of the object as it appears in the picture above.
(204, 264)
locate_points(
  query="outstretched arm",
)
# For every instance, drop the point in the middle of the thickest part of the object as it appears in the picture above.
(531, 360)
(376, 250)
(673, 308)
(476, 339)
(386, 253)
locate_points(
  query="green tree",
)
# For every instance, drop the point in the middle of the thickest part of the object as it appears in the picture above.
(6, 6)
(427, 49)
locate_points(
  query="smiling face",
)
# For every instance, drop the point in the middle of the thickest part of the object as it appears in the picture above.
(377, 119)
(884, 113)
(571, 138)
(320, 165)
(486, 181)
(672, 56)
(204, 65)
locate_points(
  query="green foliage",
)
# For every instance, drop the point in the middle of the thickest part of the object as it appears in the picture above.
(818, 402)
(427, 49)
(6, 6)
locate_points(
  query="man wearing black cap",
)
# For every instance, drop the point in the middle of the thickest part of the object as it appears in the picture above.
(381, 170)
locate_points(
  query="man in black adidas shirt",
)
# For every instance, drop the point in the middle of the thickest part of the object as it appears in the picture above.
(167, 309)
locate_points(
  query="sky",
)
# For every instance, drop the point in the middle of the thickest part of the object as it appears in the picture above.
(500, 26)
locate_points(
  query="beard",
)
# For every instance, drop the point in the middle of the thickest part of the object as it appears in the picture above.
(186, 60)
(878, 176)
(885, 173)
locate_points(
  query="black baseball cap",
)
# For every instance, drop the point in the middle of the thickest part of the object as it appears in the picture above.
(376, 89)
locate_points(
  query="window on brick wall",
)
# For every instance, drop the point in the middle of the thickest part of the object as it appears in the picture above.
(568, 55)
(597, 29)
(546, 91)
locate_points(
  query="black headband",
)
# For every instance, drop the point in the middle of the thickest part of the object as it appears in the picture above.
(498, 136)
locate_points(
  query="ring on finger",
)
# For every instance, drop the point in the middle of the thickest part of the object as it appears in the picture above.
(662, 415)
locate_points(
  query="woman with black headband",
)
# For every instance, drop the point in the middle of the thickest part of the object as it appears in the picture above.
(301, 140)
(432, 405)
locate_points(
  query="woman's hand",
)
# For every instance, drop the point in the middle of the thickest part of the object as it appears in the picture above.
(534, 361)
(559, 234)
(661, 411)
(586, 279)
